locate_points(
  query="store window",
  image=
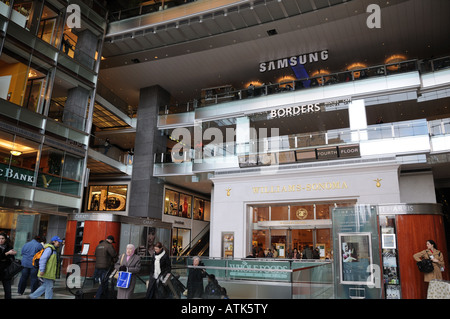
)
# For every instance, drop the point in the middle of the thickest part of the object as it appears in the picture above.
(201, 209)
(295, 226)
(18, 157)
(185, 205)
(107, 198)
(171, 201)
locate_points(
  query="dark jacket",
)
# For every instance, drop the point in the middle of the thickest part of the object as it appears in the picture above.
(105, 255)
(5, 260)
(195, 283)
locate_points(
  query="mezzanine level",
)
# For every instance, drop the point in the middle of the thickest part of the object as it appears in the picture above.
(419, 78)
(406, 142)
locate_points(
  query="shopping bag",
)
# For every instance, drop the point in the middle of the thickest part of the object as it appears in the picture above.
(123, 281)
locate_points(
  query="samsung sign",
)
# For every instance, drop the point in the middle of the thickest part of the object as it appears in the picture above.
(294, 61)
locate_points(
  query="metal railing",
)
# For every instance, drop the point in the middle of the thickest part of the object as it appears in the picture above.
(423, 66)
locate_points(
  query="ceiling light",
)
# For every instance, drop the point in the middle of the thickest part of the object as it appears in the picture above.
(16, 153)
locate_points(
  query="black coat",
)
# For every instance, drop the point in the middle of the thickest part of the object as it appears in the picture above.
(156, 289)
(5, 260)
(195, 283)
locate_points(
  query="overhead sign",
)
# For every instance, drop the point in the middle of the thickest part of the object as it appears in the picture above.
(293, 61)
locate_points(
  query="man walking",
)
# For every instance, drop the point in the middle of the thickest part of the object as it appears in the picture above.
(49, 269)
(105, 257)
(29, 271)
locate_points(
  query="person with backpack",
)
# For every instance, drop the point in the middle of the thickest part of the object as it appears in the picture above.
(29, 271)
(212, 289)
(49, 269)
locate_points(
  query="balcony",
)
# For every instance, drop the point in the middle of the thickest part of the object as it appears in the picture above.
(423, 77)
(381, 140)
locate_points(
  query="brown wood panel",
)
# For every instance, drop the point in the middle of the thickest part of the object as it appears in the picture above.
(412, 233)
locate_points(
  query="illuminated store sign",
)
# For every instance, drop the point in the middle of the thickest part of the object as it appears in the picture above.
(295, 110)
(309, 108)
(293, 61)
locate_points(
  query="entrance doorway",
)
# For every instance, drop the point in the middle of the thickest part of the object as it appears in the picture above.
(293, 230)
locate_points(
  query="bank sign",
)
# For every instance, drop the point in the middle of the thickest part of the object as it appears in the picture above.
(16, 174)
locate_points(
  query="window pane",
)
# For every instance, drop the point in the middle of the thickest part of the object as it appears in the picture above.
(302, 212)
(97, 198)
(171, 200)
(117, 197)
(17, 159)
(185, 205)
(279, 213)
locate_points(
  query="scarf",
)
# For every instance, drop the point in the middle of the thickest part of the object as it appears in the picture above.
(157, 270)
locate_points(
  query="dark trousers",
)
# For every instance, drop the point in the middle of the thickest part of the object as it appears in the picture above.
(101, 274)
(34, 282)
(7, 288)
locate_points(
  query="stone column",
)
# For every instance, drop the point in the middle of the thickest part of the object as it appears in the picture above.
(146, 195)
(75, 107)
(85, 48)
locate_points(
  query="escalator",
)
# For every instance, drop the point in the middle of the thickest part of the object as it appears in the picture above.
(199, 246)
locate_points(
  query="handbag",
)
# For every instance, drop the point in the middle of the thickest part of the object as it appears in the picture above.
(115, 273)
(123, 281)
(425, 265)
(13, 269)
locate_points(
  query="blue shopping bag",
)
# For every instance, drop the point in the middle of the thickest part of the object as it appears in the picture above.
(123, 281)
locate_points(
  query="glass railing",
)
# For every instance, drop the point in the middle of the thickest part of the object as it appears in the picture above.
(105, 147)
(146, 8)
(303, 141)
(301, 279)
(439, 127)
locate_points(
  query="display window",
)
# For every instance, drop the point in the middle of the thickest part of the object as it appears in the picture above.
(107, 198)
(185, 205)
(171, 202)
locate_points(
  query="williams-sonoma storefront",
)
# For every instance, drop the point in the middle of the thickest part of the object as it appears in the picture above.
(358, 215)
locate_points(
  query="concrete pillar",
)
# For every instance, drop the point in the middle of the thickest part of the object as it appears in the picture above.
(85, 48)
(146, 195)
(75, 108)
(358, 120)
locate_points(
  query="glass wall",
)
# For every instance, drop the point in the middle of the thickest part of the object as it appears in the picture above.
(60, 171)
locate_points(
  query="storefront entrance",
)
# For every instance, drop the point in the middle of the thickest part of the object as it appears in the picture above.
(293, 230)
